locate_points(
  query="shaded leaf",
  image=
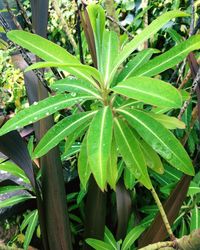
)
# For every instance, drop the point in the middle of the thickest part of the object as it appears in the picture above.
(131, 152)
(30, 229)
(161, 140)
(14, 200)
(98, 244)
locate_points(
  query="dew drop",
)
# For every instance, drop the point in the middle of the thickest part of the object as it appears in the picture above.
(16, 127)
(30, 122)
(73, 94)
(35, 103)
(47, 113)
(35, 118)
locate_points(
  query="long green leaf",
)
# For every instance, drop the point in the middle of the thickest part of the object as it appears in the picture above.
(26, 220)
(132, 236)
(110, 49)
(112, 171)
(47, 51)
(76, 86)
(151, 91)
(98, 244)
(30, 229)
(195, 219)
(61, 130)
(109, 238)
(97, 18)
(161, 139)
(8, 189)
(13, 169)
(40, 110)
(84, 71)
(152, 159)
(168, 121)
(170, 58)
(131, 152)
(141, 58)
(144, 35)
(83, 164)
(14, 200)
(99, 144)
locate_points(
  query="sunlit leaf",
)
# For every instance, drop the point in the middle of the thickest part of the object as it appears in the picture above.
(40, 110)
(170, 58)
(151, 91)
(99, 144)
(61, 130)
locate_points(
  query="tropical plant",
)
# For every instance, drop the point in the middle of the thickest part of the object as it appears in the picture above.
(120, 110)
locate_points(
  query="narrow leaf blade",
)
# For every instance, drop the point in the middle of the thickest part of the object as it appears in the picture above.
(99, 144)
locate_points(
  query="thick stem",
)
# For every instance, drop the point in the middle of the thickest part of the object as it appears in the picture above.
(163, 214)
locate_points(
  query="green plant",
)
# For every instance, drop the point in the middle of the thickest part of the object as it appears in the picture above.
(120, 105)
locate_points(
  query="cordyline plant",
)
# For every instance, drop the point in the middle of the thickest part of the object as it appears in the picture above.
(126, 117)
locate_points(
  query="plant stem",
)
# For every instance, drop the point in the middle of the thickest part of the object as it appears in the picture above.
(110, 9)
(167, 245)
(163, 214)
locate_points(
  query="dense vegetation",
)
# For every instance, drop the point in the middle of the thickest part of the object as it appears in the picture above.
(99, 124)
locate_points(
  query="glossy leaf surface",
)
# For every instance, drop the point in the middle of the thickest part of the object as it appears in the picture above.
(170, 58)
(144, 35)
(40, 110)
(151, 91)
(140, 58)
(31, 229)
(61, 130)
(99, 245)
(99, 144)
(76, 86)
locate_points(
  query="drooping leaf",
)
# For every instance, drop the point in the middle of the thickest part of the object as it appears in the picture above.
(26, 220)
(14, 200)
(61, 130)
(151, 91)
(18, 154)
(13, 169)
(161, 139)
(8, 189)
(110, 49)
(99, 144)
(76, 86)
(109, 238)
(170, 58)
(144, 35)
(183, 229)
(40, 110)
(168, 121)
(141, 58)
(30, 229)
(132, 236)
(131, 152)
(112, 171)
(98, 244)
(83, 164)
